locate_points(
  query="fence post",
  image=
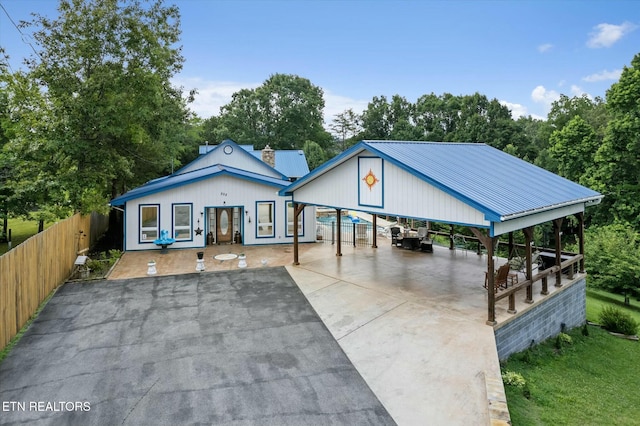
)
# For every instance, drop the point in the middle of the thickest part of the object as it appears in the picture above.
(354, 234)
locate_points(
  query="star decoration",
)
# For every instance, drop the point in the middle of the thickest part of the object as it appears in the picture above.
(370, 179)
(198, 231)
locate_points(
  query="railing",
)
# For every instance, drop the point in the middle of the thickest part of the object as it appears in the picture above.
(356, 234)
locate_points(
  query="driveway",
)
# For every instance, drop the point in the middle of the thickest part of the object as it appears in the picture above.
(240, 347)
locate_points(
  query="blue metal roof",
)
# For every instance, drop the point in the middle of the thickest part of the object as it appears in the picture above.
(291, 163)
(179, 179)
(492, 181)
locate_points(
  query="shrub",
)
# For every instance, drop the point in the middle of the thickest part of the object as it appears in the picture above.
(613, 319)
(516, 380)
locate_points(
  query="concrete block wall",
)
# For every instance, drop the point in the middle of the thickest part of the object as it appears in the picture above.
(543, 320)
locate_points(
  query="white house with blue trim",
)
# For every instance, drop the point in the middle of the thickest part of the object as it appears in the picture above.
(228, 195)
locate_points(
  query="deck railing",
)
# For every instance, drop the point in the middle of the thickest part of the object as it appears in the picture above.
(355, 234)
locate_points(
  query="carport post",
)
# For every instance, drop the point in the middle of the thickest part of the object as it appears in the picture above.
(374, 231)
(580, 217)
(557, 227)
(528, 240)
(489, 244)
(297, 209)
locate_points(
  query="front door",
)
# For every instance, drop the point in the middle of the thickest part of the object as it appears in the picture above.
(224, 230)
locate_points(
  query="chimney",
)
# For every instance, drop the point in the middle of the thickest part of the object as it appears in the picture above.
(269, 156)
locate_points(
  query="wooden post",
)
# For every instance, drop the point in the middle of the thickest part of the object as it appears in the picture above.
(375, 231)
(510, 245)
(580, 217)
(451, 237)
(297, 209)
(545, 285)
(528, 239)
(339, 232)
(557, 226)
(489, 244)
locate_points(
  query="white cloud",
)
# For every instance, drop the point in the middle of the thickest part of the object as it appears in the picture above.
(545, 47)
(517, 110)
(211, 94)
(605, 35)
(603, 75)
(577, 91)
(543, 96)
(214, 94)
(335, 104)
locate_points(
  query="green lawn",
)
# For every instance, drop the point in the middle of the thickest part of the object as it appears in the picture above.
(592, 381)
(20, 231)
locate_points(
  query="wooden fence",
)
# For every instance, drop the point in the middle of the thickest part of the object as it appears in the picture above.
(33, 269)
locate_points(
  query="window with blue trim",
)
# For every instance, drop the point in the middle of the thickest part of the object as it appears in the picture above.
(182, 221)
(290, 215)
(149, 223)
(265, 225)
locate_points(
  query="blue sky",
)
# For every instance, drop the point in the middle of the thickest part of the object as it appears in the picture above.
(523, 53)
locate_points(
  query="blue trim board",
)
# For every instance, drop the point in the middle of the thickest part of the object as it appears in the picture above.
(381, 206)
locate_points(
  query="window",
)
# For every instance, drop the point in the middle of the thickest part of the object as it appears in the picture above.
(182, 220)
(290, 215)
(265, 219)
(149, 223)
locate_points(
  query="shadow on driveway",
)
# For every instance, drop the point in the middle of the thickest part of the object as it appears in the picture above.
(238, 347)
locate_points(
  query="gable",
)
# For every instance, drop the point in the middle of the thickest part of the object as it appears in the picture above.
(231, 154)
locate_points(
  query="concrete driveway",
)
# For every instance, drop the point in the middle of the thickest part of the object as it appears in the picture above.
(238, 347)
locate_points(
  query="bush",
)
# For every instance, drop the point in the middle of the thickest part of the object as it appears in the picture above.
(613, 319)
(516, 380)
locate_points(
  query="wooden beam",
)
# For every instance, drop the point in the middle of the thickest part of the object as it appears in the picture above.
(580, 217)
(557, 226)
(489, 244)
(297, 209)
(528, 239)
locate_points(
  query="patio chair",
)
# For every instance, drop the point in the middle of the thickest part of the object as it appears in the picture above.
(502, 278)
(426, 244)
(396, 238)
(459, 243)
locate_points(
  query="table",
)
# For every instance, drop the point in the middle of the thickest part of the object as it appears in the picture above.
(411, 242)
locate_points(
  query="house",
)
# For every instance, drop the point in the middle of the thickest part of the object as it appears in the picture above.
(228, 195)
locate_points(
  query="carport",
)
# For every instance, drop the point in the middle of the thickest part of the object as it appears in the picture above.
(469, 184)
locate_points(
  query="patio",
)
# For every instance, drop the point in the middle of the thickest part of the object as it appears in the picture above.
(412, 323)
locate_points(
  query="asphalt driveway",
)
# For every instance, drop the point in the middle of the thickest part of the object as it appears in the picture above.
(239, 347)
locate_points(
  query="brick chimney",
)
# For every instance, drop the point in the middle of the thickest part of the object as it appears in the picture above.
(269, 156)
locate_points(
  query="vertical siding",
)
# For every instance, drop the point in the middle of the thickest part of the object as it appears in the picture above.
(404, 195)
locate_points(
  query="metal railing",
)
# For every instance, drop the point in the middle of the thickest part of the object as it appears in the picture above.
(355, 234)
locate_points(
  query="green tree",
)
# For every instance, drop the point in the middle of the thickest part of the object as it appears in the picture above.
(613, 252)
(573, 148)
(284, 112)
(345, 126)
(616, 172)
(115, 119)
(314, 154)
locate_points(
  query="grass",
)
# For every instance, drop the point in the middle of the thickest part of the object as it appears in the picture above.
(21, 230)
(592, 381)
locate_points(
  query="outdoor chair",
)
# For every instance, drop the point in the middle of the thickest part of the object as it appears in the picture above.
(426, 244)
(502, 278)
(396, 238)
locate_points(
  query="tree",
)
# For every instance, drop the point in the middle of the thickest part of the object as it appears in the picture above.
(345, 126)
(314, 154)
(284, 112)
(115, 119)
(573, 147)
(613, 252)
(616, 173)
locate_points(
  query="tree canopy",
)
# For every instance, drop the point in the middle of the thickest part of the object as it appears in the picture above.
(113, 119)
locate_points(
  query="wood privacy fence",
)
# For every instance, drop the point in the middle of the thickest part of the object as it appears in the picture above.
(33, 269)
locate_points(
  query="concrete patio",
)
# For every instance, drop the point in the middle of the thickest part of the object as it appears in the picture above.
(412, 323)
